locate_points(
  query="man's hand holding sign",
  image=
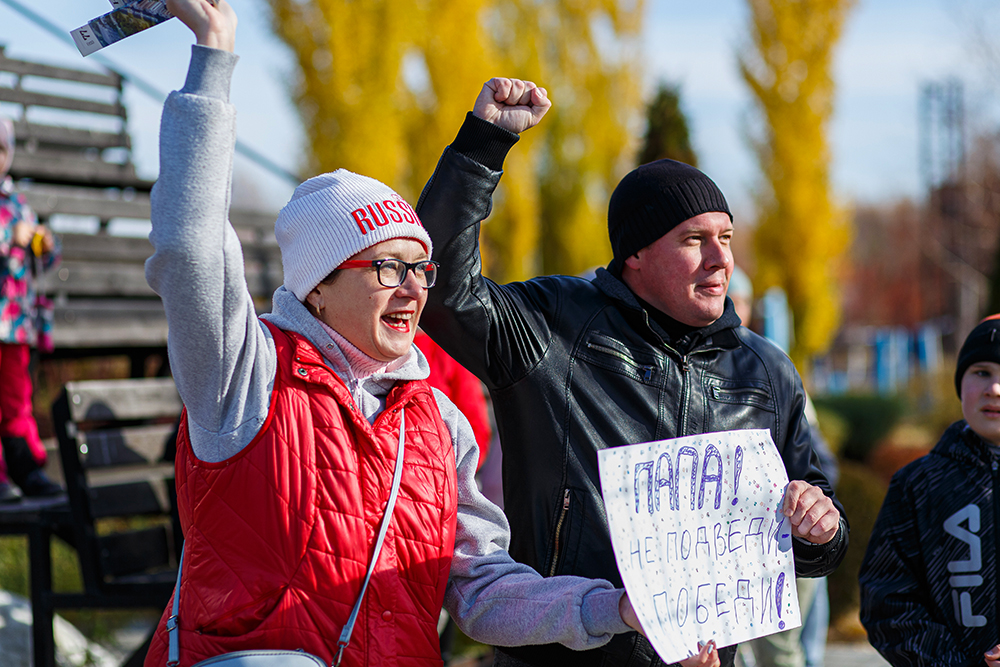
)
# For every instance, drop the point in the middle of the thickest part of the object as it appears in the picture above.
(811, 512)
(702, 529)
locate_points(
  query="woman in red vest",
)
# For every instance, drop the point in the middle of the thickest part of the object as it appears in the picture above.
(294, 421)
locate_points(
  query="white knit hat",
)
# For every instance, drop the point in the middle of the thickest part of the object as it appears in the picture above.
(332, 217)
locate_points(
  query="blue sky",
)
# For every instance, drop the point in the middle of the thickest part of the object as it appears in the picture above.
(889, 48)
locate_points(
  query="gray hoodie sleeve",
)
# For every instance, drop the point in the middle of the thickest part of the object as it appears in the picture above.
(498, 601)
(222, 357)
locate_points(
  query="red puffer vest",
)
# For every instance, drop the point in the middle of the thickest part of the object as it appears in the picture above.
(278, 538)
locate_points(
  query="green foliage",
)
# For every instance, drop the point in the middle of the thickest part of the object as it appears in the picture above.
(935, 405)
(861, 492)
(833, 427)
(867, 417)
(98, 625)
(14, 566)
(667, 133)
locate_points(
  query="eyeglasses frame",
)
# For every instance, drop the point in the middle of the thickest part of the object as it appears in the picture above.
(377, 264)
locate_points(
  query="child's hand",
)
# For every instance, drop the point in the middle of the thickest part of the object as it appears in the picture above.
(22, 233)
(213, 22)
(707, 657)
(628, 614)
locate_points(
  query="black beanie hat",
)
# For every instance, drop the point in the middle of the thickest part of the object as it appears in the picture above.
(982, 344)
(653, 199)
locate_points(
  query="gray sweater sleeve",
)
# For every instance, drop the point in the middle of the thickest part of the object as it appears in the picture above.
(222, 357)
(498, 601)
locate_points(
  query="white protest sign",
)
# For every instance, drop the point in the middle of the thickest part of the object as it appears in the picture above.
(699, 537)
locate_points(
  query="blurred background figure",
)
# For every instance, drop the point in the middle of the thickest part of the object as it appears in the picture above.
(26, 249)
(804, 646)
(741, 292)
(462, 387)
(466, 392)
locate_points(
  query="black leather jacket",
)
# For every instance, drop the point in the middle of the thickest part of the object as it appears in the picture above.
(574, 366)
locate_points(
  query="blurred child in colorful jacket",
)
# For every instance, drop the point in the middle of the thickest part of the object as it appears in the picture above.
(26, 249)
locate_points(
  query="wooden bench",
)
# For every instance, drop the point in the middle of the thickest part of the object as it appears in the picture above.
(98, 155)
(103, 305)
(102, 302)
(116, 448)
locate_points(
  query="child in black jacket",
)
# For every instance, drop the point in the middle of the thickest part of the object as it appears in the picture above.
(929, 577)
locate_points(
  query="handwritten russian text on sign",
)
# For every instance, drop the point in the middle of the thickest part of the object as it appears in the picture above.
(699, 537)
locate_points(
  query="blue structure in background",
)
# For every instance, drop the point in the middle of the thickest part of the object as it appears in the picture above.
(892, 359)
(777, 318)
(929, 347)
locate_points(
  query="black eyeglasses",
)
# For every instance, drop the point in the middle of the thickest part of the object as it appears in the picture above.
(392, 272)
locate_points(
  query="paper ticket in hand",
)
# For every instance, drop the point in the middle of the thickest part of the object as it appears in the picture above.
(118, 24)
(700, 540)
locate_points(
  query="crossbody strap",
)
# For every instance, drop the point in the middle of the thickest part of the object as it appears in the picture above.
(173, 641)
(173, 633)
(345, 635)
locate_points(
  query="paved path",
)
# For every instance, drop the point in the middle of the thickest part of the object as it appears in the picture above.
(853, 655)
(837, 655)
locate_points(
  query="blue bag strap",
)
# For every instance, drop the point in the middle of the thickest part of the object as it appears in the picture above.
(173, 639)
(173, 633)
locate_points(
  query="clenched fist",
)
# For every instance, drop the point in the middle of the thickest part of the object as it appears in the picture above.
(512, 104)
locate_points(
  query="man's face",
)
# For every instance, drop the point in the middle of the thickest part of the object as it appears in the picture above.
(981, 399)
(685, 273)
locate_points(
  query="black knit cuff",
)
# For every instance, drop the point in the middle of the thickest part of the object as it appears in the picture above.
(484, 142)
(813, 560)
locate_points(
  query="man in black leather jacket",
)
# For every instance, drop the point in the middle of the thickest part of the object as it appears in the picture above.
(651, 348)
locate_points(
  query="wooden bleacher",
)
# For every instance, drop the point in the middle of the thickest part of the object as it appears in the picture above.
(83, 167)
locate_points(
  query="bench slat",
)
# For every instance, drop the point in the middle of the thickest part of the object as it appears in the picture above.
(75, 169)
(132, 445)
(45, 203)
(33, 99)
(123, 399)
(124, 280)
(97, 279)
(69, 136)
(135, 499)
(112, 324)
(100, 248)
(25, 68)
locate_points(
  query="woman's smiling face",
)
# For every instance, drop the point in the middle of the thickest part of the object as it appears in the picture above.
(380, 321)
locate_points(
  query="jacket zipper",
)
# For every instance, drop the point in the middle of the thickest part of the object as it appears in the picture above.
(717, 392)
(647, 370)
(685, 395)
(996, 522)
(559, 525)
(685, 368)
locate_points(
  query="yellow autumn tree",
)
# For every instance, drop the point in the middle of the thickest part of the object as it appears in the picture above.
(801, 231)
(383, 85)
(586, 144)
